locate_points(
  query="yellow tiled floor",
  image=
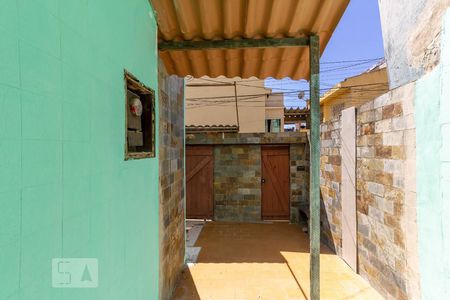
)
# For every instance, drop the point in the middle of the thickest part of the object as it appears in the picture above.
(264, 261)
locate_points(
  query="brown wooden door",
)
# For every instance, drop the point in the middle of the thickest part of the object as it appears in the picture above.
(275, 182)
(199, 182)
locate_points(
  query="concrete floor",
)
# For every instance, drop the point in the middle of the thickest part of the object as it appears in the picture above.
(264, 261)
(193, 229)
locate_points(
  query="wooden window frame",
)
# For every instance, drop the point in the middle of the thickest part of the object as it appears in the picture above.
(131, 81)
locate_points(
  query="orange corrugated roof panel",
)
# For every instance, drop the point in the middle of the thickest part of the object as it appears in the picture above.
(180, 20)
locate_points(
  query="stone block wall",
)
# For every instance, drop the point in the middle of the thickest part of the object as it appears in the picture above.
(237, 172)
(385, 192)
(171, 181)
(383, 132)
(214, 138)
(237, 182)
(330, 185)
(299, 172)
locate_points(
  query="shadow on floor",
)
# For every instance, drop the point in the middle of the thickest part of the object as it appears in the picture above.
(251, 243)
(263, 261)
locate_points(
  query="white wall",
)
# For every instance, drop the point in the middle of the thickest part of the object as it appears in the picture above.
(215, 104)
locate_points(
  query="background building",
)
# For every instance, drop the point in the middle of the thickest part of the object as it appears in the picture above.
(296, 118)
(354, 91)
(212, 104)
(274, 117)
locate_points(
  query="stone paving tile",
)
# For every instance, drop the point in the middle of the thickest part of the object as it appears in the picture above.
(264, 261)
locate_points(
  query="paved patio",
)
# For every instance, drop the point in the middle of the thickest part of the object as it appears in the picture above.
(264, 261)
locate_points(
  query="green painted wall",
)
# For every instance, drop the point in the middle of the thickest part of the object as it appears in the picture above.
(65, 189)
(433, 174)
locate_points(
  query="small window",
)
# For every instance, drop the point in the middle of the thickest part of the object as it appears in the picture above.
(273, 125)
(139, 119)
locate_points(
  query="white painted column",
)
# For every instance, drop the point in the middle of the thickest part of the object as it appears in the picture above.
(348, 193)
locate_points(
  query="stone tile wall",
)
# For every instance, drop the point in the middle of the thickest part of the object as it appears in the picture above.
(330, 185)
(387, 230)
(299, 172)
(237, 183)
(237, 172)
(215, 138)
(171, 181)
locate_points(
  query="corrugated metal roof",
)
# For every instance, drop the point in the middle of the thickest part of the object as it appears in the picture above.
(295, 110)
(238, 19)
(296, 114)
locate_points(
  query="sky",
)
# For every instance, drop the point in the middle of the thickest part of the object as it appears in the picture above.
(357, 37)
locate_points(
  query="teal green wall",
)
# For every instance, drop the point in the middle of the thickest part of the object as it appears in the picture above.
(433, 174)
(65, 189)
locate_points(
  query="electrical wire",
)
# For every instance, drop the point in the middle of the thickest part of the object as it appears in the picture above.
(286, 89)
(334, 70)
(247, 105)
(353, 87)
(223, 83)
(351, 62)
(248, 100)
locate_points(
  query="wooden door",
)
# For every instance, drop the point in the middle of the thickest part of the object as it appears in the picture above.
(199, 182)
(275, 182)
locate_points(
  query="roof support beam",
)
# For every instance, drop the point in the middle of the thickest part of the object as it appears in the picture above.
(314, 187)
(234, 44)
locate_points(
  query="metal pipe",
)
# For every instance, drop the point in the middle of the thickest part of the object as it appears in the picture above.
(237, 109)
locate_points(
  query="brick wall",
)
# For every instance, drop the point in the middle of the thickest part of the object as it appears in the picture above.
(237, 172)
(171, 181)
(387, 256)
